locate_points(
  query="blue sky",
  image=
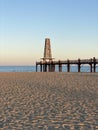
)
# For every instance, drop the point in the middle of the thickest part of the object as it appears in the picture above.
(71, 25)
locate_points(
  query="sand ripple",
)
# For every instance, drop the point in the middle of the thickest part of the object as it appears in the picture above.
(48, 101)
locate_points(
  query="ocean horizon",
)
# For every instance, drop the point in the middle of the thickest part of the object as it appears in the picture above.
(73, 68)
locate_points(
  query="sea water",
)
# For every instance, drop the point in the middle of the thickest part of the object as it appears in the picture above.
(17, 68)
(73, 68)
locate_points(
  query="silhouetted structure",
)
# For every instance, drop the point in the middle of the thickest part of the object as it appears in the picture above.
(48, 65)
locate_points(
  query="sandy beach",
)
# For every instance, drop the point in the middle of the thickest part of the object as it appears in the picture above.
(48, 101)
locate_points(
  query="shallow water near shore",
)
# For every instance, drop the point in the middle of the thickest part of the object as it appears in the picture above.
(48, 101)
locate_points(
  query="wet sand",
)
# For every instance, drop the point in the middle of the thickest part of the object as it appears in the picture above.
(48, 101)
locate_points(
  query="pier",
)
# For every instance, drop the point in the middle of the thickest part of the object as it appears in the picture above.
(48, 64)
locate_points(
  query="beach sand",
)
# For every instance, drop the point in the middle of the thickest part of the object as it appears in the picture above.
(48, 101)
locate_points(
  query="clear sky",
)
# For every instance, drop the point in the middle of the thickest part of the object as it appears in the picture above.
(71, 25)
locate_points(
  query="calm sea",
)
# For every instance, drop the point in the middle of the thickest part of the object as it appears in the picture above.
(33, 69)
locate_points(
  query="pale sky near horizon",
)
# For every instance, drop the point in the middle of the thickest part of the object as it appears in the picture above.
(71, 25)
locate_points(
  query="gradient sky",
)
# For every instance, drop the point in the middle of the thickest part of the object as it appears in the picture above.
(71, 25)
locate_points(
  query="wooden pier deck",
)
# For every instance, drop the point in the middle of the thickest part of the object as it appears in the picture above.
(49, 66)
